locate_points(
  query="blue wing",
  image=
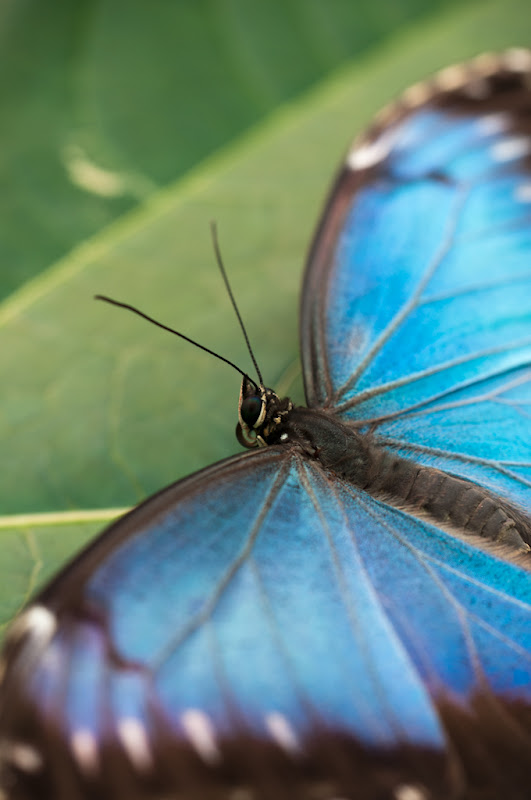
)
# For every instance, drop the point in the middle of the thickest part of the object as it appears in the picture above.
(276, 621)
(417, 305)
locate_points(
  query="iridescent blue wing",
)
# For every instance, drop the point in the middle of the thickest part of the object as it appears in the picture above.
(417, 303)
(263, 625)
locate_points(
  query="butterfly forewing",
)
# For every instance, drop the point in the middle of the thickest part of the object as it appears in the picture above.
(417, 297)
(266, 633)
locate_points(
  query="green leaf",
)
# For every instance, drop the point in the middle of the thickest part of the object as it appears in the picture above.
(104, 100)
(32, 546)
(100, 409)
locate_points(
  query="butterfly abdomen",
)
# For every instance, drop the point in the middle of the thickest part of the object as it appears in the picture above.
(445, 498)
(448, 499)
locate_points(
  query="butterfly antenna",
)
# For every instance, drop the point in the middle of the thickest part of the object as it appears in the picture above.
(217, 251)
(171, 330)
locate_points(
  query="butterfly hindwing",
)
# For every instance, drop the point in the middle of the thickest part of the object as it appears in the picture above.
(265, 628)
(276, 622)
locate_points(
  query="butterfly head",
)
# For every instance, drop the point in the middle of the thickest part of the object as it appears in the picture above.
(260, 412)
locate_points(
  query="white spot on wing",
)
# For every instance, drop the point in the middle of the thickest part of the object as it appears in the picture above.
(367, 155)
(410, 792)
(22, 755)
(486, 63)
(37, 622)
(37, 626)
(133, 737)
(282, 732)
(450, 78)
(491, 124)
(200, 731)
(523, 193)
(518, 59)
(510, 149)
(417, 94)
(85, 749)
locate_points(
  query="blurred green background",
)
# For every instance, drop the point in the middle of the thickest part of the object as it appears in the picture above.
(126, 127)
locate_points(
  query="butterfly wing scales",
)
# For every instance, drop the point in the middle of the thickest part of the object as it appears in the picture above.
(229, 658)
(417, 300)
(280, 641)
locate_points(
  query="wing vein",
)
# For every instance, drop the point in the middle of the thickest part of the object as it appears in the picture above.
(413, 301)
(211, 602)
(425, 407)
(407, 380)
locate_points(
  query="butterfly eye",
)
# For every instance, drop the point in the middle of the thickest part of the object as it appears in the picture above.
(251, 411)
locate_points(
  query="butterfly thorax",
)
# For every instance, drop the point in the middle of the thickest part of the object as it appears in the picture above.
(362, 461)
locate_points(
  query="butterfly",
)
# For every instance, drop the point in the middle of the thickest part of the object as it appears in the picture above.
(344, 610)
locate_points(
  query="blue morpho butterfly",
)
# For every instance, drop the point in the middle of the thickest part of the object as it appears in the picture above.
(345, 613)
